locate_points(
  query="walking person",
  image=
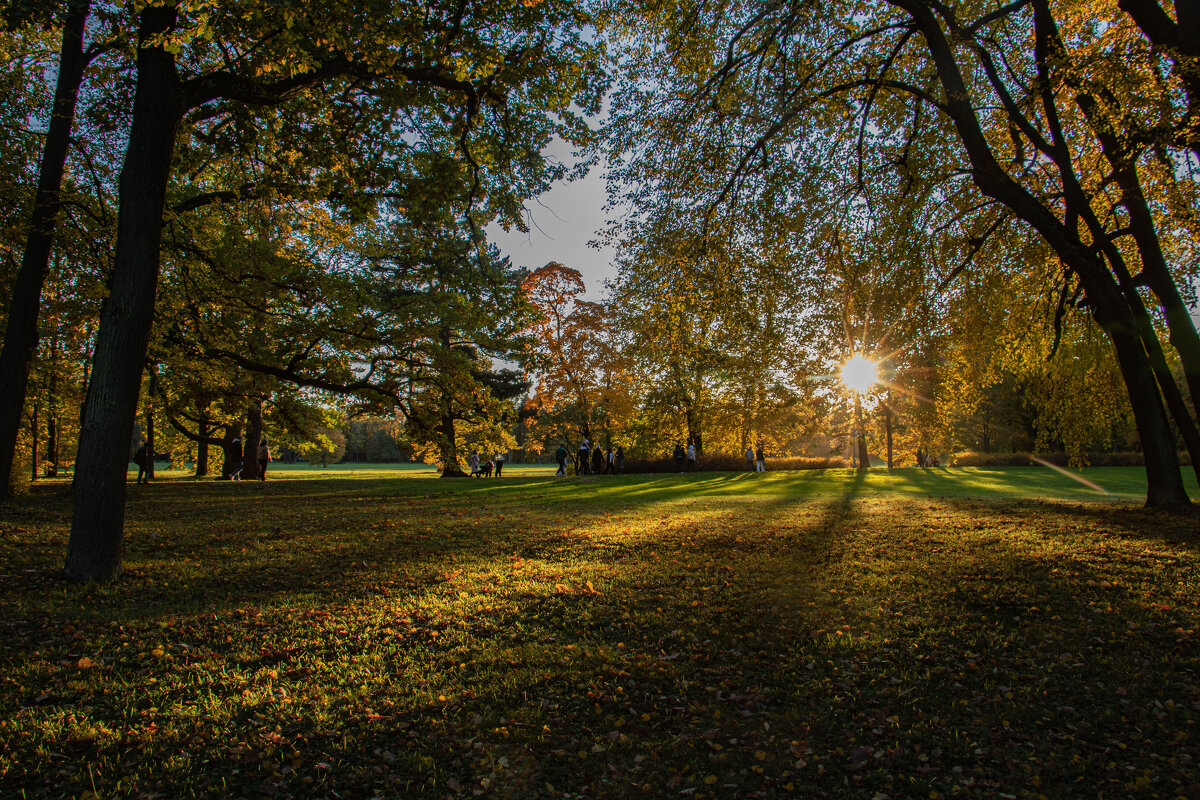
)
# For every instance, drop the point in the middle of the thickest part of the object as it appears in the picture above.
(473, 463)
(597, 461)
(610, 461)
(498, 460)
(235, 469)
(679, 456)
(142, 459)
(560, 455)
(620, 460)
(761, 459)
(264, 458)
(749, 458)
(691, 456)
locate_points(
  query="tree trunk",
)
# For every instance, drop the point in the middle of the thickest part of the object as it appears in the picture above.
(151, 453)
(250, 444)
(1164, 483)
(33, 441)
(231, 451)
(52, 409)
(695, 433)
(202, 447)
(21, 330)
(94, 550)
(449, 448)
(887, 426)
(860, 436)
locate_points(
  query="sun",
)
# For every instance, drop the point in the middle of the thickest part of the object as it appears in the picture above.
(860, 373)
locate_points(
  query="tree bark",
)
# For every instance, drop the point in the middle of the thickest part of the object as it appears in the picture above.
(52, 410)
(151, 452)
(231, 451)
(887, 426)
(449, 447)
(33, 441)
(202, 447)
(860, 437)
(695, 432)
(21, 331)
(94, 550)
(250, 444)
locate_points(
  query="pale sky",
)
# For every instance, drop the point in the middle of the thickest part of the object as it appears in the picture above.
(561, 223)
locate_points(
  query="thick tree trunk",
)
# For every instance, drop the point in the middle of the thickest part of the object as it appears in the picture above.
(21, 330)
(449, 447)
(231, 451)
(250, 444)
(94, 551)
(1164, 484)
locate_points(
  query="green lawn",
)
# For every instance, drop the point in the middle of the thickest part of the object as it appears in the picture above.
(924, 633)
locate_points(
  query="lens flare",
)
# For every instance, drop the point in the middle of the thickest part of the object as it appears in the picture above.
(860, 374)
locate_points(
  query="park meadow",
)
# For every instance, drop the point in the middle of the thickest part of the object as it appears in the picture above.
(831, 633)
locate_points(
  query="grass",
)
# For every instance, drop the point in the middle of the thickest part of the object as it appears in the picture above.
(928, 633)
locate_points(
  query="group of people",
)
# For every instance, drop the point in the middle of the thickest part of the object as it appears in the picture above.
(591, 460)
(688, 455)
(485, 467)
(756, 460)
(262, 454)
(143, 457)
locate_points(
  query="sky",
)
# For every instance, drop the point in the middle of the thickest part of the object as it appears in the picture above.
(561, 223)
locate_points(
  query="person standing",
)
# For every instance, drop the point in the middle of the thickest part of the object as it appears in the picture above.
(610, 461)
(498, 460)
(749, 458)
(142, 459)
(620, 460)
(680, 455)
(560, 455)
(581, 466)
(597, 461)
(473, 463)
(761, 458)
(264, 458)
(691, 456)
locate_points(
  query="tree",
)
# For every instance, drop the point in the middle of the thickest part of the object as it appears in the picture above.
(489, 78)
(24, 303)
(579, 378)
(987, 113)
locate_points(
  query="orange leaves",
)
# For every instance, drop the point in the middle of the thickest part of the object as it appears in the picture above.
(586, 589)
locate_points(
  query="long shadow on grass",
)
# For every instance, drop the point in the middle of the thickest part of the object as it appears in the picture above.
(604, 693)
(649, 619)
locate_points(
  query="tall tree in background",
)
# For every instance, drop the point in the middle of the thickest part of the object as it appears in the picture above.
(567, 334)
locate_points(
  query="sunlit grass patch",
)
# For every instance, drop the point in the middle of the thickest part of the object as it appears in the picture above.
(710, 636)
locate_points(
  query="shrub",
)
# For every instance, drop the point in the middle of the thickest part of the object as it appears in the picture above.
(1025, 459)
(723, 462)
